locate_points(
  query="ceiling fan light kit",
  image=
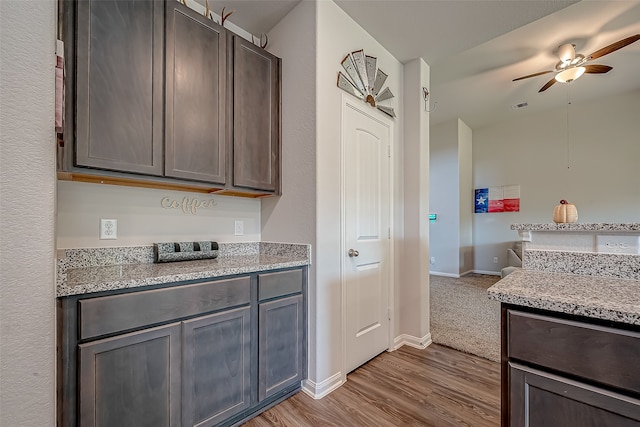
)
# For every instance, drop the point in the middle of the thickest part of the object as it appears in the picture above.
(573, 65)
(570, 74)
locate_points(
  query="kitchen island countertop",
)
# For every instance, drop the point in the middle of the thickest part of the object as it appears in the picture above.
(596, 297)
(581, 227)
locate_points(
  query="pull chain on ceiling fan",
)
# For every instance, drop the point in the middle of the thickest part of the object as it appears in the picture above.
(571, 65)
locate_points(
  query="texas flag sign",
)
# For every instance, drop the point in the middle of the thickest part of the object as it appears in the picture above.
(497, 199)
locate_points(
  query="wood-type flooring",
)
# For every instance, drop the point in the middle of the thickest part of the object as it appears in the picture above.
(437, 386)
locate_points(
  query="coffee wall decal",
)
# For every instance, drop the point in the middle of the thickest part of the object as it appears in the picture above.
(188, 205)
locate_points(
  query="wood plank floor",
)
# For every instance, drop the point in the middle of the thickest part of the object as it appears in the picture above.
(435, 387)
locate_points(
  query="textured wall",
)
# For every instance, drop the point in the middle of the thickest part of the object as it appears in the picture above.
(444, 198)
(27, 210)
(142, 220)
(292, 217)
(338, 34)
(467, 206)
(412, 305)
(450, 196)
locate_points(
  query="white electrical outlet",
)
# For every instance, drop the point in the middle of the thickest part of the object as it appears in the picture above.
(433, 260)
(108, 229)
(609, 244)
(239, 228)
(495, 259)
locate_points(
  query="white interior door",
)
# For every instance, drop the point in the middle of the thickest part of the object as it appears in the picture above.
(366, 235)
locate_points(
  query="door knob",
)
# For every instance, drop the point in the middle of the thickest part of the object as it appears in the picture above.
(353, 253)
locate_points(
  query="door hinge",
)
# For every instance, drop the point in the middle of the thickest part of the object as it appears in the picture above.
(389, 233)
(389, 313)
(389, 151)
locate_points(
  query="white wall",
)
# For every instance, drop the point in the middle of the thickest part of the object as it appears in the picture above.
(465, 179)
(142, 220)
(412, 259)
(27, 186)
(444, 198)
(450, 197)
(309, 210)
(337, 35)
(292, 217)
(603, 178)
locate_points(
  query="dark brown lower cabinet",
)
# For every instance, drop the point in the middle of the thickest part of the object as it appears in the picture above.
(216, 374)
(131, 380)
(542, 399)
(281, 357)
(209, 353)
(563, 371)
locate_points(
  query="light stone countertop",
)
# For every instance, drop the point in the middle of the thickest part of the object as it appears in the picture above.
(597, 297)
(606, 227)
(114, 277)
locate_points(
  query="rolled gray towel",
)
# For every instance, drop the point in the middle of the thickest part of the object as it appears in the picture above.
(184, 251)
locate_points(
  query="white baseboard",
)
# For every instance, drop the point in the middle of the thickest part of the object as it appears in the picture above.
(411, 341)
(438, 273)
(457, 276)
(491, 273)
(320, 390)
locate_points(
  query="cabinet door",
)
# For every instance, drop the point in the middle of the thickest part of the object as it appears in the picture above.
(541, 399)
(195, 96)
(131, 380)
(119, 85)
(280, 356)
(216, 370)
(256, 117)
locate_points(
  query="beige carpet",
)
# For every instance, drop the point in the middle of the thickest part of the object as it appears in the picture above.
(463, 317)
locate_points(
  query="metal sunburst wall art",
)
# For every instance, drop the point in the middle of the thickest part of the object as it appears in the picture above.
(365, 81)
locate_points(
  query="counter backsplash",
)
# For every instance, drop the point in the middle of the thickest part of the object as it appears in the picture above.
(574, 248)
(583, 263)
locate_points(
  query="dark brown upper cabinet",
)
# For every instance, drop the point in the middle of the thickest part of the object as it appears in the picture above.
(159, 95)
(119, 85)
(256, 117)
(194, 96)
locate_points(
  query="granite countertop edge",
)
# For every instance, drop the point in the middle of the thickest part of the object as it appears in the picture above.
(600, 226)
(116, 277)
(603, 298)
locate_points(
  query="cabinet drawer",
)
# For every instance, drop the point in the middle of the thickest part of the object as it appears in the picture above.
(110, 314)
(271, 285)
(606, 355)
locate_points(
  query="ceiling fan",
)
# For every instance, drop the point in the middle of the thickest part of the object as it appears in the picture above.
(572, 65)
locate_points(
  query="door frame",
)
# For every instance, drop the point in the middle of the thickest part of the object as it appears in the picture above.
(350, 102)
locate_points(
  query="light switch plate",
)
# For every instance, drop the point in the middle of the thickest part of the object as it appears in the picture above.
(610, 244)
(108, 229)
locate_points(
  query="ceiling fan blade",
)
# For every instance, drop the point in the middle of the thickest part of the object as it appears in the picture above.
(613, 47)
(533, 75)
(597, 69)
(548, 85)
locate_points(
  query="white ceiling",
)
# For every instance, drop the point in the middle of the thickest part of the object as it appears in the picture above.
(476, 47)
(476, 85)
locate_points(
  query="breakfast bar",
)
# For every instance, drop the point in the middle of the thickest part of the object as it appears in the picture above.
(571, 327)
